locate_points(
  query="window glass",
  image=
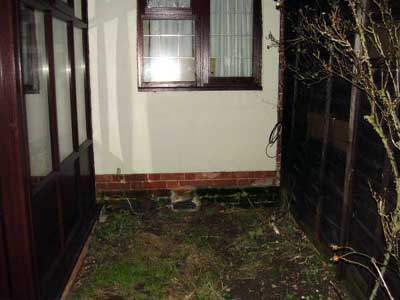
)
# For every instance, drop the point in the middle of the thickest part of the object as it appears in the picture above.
(168, 3)
(231, 38)
(168, 50)
(63, 95)
(35, 75)
(80, 84)
(78, 8)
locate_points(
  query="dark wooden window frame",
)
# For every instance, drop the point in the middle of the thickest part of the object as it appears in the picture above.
(200, 13)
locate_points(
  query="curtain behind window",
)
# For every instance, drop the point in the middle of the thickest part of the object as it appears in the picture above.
(231, 35)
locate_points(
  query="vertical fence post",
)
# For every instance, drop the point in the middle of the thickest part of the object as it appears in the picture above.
(295, 97)
(348, 180)
(351, 149)
(322, 170)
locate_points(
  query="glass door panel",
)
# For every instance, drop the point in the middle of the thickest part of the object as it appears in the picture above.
(35, 79)
(78, 8)
(63, 92)
(80, 68)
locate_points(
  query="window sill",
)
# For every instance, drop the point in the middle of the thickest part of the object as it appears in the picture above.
(204, 88)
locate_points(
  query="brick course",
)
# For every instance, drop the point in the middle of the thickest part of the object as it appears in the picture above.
(175, 181)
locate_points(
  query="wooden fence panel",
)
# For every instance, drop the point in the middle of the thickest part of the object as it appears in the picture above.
(331, 159)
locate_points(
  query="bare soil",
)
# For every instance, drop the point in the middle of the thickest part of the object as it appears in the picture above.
(217, 253)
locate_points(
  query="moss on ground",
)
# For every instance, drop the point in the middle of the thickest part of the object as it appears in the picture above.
(216, 253)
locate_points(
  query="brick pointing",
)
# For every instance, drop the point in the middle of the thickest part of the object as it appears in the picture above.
(174, 181)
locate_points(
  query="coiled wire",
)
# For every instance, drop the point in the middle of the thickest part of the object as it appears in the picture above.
(273, 138)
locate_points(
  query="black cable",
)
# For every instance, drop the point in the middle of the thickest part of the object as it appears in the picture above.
(273, 138)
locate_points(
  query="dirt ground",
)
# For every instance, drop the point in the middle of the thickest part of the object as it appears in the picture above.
(216, 253)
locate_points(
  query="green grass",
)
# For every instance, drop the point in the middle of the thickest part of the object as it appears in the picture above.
(131, 279)
(123, 268)
(174, 256)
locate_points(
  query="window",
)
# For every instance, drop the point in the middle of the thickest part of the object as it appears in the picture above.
(168, 50)
(199, 44)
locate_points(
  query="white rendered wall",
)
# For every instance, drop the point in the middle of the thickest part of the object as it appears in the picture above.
(167, 132)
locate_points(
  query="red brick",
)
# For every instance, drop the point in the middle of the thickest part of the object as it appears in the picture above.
(154, 185)
(262, 174)
(226, 175)
(104, 178)
(118, 186)
(136, 185)
(172, 176)
(136, 177)
(268, 181)
(255, 175)
(203, 176)
(196, 183)
(241, 175)
(184, 183)
(270, 173)
(181, 180)
(117, 178)
(173, 184)
(190, 176)
(225, 182)
(210, 183)
(153, 177)
(213, 175)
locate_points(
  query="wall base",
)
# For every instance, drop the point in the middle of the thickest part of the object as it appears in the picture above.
(177, 181)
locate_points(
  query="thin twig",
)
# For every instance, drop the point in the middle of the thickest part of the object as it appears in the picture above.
(382, 279)
(336, 290)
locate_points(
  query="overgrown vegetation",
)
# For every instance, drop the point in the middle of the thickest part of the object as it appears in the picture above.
(217, 253)
(358, 41)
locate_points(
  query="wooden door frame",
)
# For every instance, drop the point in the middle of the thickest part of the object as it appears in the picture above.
(15, 191)
(5, 292)
(15, 185)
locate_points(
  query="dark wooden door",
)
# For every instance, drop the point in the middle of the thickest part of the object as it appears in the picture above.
(4, 280)
(58, 137)
(47, 193)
